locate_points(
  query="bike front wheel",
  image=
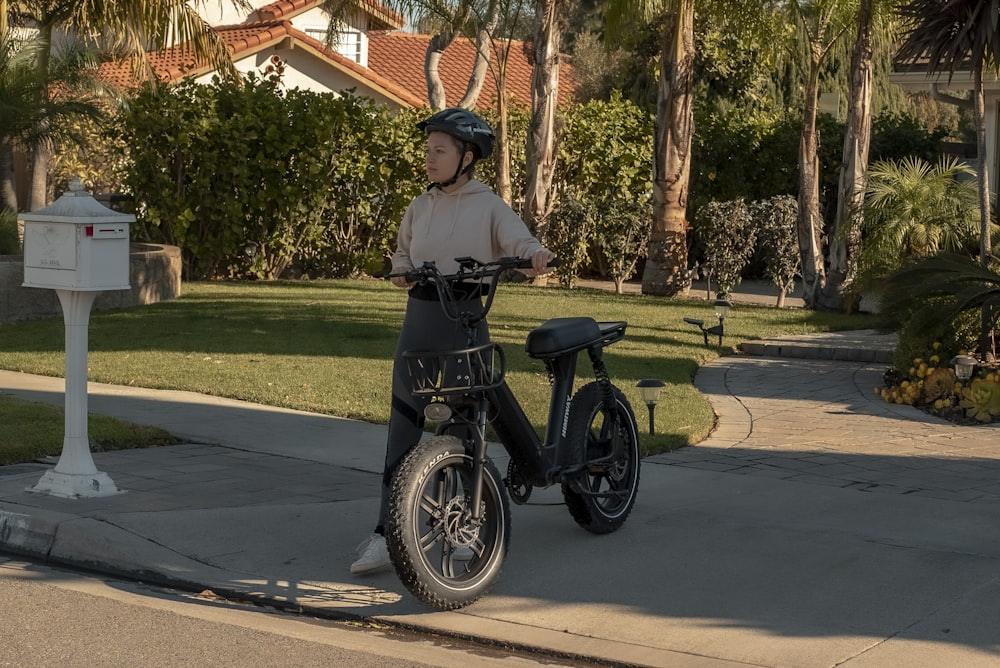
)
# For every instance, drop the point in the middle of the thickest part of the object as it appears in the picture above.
(444, 556)
(601, 496)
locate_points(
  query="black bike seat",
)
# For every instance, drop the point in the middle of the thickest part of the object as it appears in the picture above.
(561, 336)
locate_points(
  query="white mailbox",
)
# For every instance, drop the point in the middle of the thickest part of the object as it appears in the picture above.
(76, 243)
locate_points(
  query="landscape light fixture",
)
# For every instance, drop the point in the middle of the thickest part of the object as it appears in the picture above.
(722, 308)
(650, 389)
(964, 365)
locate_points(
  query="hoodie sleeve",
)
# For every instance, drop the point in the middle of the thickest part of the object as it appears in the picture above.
(511, 235)
(401, 258)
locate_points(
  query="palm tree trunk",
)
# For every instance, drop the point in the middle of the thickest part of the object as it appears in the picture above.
(810, 222)
(8, 191)
(845, 237)
(666, 254)
(541, 150)
(41, 151)
(986, 346)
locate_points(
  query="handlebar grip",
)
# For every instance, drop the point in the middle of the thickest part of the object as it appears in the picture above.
(525, 263)
(409, 276)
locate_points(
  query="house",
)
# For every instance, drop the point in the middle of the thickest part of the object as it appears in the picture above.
(915, 79)
(371, 56)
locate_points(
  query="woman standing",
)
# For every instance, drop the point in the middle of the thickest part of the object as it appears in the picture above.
(457, 216)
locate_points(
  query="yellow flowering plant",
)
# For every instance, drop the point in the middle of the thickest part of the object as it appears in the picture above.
(934, 388)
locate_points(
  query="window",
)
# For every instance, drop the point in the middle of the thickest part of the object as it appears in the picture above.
(347, 41)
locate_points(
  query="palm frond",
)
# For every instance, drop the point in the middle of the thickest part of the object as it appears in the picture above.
(951, 34)
(940, 287)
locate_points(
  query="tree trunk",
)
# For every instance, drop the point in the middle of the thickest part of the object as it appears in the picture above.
(666, 255)
(436, 94)
(484, 44)
(8, 190)
(502, 152)
(845, 237)
(810, 222)
(41, 151)
(985, 250)
(541, 151)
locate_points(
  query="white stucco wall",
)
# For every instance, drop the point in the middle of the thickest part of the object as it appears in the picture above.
(224, 12)
(306, 71)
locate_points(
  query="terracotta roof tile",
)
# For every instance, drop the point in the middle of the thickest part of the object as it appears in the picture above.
(399, 57)
(382, 16)
(177, 62)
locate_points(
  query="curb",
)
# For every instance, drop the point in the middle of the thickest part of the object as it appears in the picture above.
(807, 351)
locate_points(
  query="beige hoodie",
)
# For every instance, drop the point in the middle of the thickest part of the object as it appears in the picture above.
(471, 221)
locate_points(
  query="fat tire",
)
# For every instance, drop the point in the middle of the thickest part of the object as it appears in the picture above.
(429, 487)
(588, 417)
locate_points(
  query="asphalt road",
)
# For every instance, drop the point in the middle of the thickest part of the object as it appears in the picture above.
(54, 617)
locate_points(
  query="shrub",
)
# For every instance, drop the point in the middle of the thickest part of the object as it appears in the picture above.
(248, 177)
(729, 236)
(10, 243)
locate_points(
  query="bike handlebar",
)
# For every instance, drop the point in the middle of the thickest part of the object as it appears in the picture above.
(470, 270)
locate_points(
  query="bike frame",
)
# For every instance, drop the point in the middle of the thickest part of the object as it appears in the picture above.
(543, 463)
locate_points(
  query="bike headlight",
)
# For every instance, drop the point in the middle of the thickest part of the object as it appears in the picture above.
(437, 411)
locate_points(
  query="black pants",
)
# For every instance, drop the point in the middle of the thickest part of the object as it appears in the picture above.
(425, 327)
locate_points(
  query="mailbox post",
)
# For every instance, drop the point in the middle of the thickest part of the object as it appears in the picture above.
(79, 248)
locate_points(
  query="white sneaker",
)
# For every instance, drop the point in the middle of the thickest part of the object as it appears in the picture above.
(373, 555)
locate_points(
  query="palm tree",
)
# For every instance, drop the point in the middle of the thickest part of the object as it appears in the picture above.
(940, 288)
(914, 210)
(953, 34)
(19, 97)
(822, 23)
(27, 115)
(854, 166)
(666, 271)
(126, 29)
(666, 253)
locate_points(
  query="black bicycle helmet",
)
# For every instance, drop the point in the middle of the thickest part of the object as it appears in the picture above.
(465, 126)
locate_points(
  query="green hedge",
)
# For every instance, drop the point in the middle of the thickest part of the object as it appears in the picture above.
(251, 178)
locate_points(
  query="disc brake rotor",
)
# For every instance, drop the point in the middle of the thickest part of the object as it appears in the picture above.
(459, 528)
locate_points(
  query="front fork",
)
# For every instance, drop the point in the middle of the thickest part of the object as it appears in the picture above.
(478, 460)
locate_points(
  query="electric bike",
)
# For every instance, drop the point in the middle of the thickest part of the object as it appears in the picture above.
(448, 524)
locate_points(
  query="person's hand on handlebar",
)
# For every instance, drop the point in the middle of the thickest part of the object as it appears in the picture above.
(401, 282)
(540, 262)
(406, 278)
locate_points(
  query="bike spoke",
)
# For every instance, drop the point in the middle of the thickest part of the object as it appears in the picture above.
(433, 536)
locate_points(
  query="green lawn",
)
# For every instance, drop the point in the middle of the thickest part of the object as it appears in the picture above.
(32, 431)
(326, 346)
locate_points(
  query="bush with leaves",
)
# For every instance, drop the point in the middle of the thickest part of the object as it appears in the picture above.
(88, 149)
(729, 236)
(10, 242)
(620, 237)
(518, 117)
(605, 152)
(568, 235)
(777, 241)
(248, 177)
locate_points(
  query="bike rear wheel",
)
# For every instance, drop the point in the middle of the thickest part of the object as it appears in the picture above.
(601, 497)
(444, 557)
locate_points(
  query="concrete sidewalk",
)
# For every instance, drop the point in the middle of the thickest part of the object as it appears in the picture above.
(817, 526)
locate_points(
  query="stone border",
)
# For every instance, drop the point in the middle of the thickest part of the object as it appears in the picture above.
(154, 276)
